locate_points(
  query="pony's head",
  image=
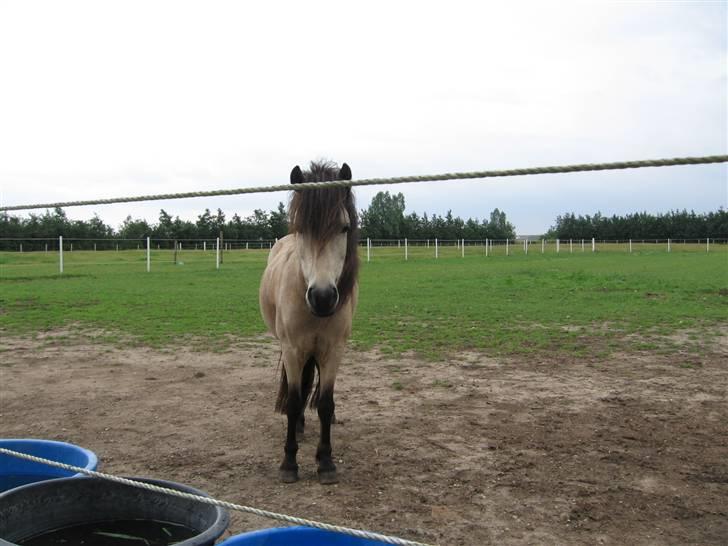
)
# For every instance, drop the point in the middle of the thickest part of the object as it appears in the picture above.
(326, 228)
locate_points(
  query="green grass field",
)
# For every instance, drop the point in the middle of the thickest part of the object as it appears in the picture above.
(580, 304)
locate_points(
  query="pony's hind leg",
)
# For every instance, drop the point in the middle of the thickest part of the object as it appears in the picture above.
(307, 378)
(301, 425)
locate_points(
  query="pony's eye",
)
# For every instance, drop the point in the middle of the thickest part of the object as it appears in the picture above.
(345, 229)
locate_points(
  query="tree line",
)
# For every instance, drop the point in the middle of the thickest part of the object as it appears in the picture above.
(49, 225)
(384, 218)
(642, 225)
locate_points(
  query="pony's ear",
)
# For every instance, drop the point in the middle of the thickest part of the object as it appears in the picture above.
(345, 172)
(297, 175)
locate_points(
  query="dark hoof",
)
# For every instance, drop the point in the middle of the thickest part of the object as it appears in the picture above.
(288, 476)
(327, 477)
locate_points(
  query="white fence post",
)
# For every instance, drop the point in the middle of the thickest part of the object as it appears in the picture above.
(571, 246)
(707, 245)
(507, 251)
(630, 246)
(60, 253)
(668, 245)
(149, 255)
(217, 253)
(594, 245)
(558, 242)
(46, 248)
(582, 245)
(543, 245)
(405, 249)
(435, 247)
(486, 247)
(369, 249)
(462, 248)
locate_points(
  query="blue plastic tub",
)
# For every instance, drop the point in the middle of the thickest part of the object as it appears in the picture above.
(297, 536)
(15, 472)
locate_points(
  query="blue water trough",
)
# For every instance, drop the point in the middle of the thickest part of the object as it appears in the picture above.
(297, 536)
(15, 472)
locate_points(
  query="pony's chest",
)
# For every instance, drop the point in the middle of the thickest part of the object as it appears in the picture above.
(314, 334)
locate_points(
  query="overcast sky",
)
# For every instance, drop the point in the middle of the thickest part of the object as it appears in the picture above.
(103, 99)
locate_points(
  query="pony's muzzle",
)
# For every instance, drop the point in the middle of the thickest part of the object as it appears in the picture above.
(322, 301)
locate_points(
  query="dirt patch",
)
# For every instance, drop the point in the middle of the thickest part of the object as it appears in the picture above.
(474, 450)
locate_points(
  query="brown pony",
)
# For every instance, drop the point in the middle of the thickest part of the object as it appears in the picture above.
(307, 298)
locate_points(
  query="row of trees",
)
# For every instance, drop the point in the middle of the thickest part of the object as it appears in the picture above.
(385, 218)
(641, 225)
(51, 224)
(259, 225)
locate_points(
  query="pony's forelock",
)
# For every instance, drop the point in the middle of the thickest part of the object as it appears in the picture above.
(316, 212)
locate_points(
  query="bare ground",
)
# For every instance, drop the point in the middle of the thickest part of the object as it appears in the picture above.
(474, 450)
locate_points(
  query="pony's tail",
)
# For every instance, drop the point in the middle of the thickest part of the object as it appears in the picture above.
(307, 379)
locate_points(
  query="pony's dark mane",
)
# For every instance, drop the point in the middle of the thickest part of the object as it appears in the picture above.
(316, 213)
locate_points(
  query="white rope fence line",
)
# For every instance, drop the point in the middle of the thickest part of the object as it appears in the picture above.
(395, 180)
(207, 500)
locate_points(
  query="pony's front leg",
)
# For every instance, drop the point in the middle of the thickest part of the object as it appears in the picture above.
(327, 372)
(326, 466)
(288, 470)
